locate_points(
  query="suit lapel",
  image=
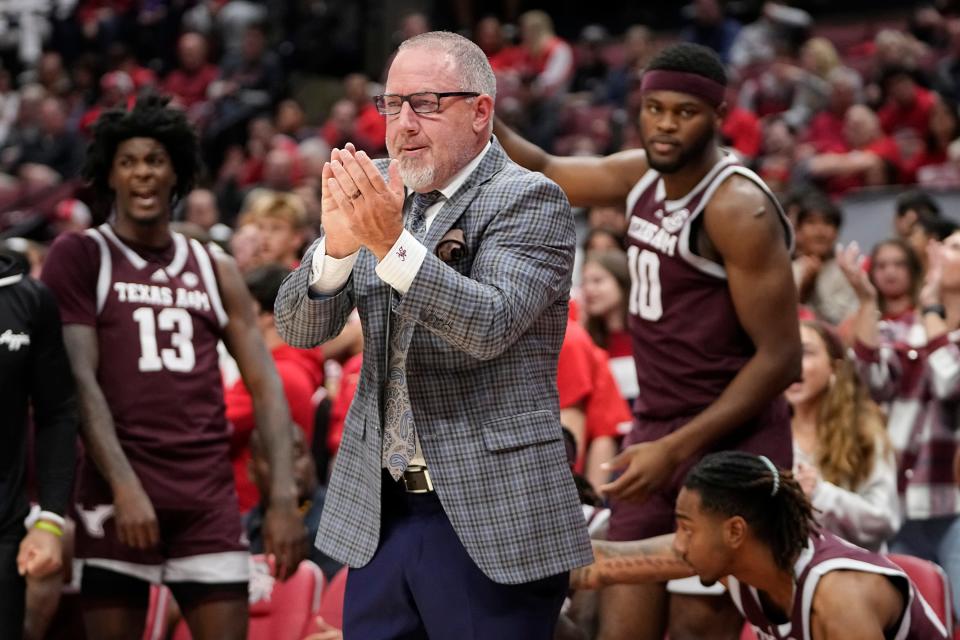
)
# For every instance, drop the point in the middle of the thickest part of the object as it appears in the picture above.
(451, 211)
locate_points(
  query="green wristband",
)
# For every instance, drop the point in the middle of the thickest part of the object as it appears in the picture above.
(49, 527)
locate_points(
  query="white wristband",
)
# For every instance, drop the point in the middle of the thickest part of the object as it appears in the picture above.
(37, 514)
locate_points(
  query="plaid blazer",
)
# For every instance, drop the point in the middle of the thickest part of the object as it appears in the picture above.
(481, 374)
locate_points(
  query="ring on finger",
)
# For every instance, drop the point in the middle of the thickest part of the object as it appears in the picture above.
(356, 195)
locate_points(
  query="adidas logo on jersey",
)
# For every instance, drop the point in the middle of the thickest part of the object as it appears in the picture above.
(159, 276)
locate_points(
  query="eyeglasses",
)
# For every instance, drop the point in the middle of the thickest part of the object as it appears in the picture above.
(390, 104)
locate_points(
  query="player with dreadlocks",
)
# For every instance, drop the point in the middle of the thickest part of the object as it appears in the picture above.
(746, 523)
(712, 317)
(143, 310)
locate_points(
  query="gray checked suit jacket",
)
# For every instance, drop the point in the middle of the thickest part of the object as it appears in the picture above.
(481, 372)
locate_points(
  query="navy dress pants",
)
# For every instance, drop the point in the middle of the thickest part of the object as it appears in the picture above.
(422, 584)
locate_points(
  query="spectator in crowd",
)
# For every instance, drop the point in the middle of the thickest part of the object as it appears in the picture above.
(121, 58)
(842, 456)
(34, 380)
(369, 124)
(775, 31)
(246, 247)
(907, 104)
(190, 81)
(601, 239)
(711, 27)
(52, 75)
(300, 371)
(624, 80)
(825, 132)
(590, 66)
(155, 499)
(488, 34)
(947, 78)
(790, 90)
(291, 121)
(938, 149)
(310, 496)
(742, 130)
(56, 146)
(116, 91)
(821, 284)
(591, 407)
(744, 522)
(250, 83)
(341, 127)
(778, 151)
(547, 69)
(349, 379)
(200, 208)
(228, 21)
(896, 273)
(917, 383)
(505, 319)
(871, 158)
(927, 230)
(912, 206)
(606, 289)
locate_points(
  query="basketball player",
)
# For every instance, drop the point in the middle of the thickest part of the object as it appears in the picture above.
(143, 310)
(712, 313)
(743, 522)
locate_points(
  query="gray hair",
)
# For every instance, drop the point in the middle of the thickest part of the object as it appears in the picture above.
(470, 59)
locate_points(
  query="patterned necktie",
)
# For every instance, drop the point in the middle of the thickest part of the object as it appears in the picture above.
(399, 437)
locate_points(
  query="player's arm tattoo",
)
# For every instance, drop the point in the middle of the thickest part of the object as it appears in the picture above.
(634, 562)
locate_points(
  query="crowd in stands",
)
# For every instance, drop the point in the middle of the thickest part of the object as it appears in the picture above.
(818, 111)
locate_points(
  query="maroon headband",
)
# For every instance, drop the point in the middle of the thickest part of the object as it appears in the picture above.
(708, 90)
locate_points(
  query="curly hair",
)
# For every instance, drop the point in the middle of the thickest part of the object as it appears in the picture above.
(736, 483)
(690, 58)
(149, 118)
(850, 427)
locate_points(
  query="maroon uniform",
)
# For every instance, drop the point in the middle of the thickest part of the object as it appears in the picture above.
(825, 553)
(159, 319)
(688, 342)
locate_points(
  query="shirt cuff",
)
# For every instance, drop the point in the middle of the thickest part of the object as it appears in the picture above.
(330, 274)
(402, 263)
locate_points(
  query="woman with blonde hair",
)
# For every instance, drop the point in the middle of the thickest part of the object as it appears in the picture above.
(843, 458)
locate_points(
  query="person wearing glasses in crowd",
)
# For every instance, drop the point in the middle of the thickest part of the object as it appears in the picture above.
(451, 500)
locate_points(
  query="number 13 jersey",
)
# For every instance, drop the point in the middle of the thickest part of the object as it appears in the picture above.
(158, 317)
(687, 340)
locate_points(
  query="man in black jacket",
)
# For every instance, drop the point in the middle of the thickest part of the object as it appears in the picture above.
(34, 373)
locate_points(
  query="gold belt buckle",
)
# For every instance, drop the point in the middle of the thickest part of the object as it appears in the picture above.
(418, 480)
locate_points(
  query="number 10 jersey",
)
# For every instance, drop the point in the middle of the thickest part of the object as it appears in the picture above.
(688, 342)
(159, 318)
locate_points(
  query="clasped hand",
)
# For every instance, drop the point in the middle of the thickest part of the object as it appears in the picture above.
(358, 207)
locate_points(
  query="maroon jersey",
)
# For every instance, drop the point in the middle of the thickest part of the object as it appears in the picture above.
(825, 553)
(159, 318)
(687, 340)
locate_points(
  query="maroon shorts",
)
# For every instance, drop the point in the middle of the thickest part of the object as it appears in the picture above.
(768, 434)
(196, 545)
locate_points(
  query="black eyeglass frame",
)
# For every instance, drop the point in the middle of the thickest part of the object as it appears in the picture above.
(379, 100)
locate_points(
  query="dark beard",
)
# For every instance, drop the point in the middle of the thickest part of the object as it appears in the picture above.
(695, 150)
